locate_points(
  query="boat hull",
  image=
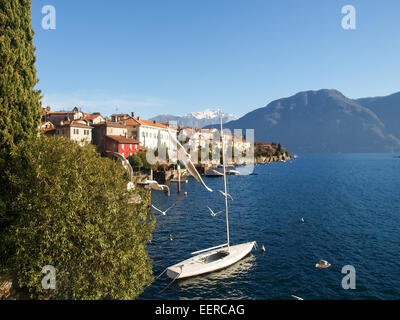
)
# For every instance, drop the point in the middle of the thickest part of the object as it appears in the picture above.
(196, 266)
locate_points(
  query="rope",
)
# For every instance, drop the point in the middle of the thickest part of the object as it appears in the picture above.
(160, 274)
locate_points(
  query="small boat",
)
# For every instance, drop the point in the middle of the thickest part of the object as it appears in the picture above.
(210, 260)
(147, 182)
(215, 258)
(213, 173)
(323, 264)
(182, 181)
(232, 172)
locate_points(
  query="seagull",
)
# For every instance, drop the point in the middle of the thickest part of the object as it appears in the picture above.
(212, 212)
(302, 220)
(263, 248)
(161, 187)
(296, 297)
(170, 237)
(184, 157)
(164, 213)
(125, 164)
(225, 194)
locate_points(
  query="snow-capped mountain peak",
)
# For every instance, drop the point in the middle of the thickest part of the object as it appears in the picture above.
(206, 114)
(197, 119)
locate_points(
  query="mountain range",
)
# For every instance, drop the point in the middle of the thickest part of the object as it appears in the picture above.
(196, 119)
(327, 121)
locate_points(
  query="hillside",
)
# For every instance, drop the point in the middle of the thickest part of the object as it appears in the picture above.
(320, 121)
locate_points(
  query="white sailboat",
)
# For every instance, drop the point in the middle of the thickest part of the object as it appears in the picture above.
(215, 258)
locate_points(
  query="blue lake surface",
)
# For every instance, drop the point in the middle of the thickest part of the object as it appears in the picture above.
(351, 207)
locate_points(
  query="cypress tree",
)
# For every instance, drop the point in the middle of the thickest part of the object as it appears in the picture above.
(61, 204)
(20, 106)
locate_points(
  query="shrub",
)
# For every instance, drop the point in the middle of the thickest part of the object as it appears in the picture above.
(71, 210)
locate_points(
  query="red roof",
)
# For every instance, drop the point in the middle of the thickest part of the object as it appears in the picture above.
(121, 139)
(135, 121)
(90, 116)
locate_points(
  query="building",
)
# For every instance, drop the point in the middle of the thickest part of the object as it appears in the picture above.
(124, 146)
(93, 118)
(77, 130)
(57, 116)
(120, 117)
(48, 128)
(150, 134)
(107, 128)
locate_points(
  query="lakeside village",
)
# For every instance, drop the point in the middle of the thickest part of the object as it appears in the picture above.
(131, 136)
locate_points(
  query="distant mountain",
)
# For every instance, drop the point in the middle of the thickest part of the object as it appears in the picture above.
(387, 109)
(321, 121)
(196, 119)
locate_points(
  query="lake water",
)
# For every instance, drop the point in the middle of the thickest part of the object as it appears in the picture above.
(351, 207)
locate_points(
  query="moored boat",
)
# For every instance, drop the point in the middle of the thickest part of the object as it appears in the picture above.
(215, 258)
(210, 261)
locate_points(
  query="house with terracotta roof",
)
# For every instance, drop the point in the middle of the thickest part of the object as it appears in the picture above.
(48, 128)
(124, 146)
(150, 134)
(107, 128)
(78, 130)
(93, 118)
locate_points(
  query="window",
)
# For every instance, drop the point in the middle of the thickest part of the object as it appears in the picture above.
(123, 146)
(130, 147)
(123, 154)
(76, 131)
(135, 146)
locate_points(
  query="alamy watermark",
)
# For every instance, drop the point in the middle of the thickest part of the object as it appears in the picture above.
(49, 280)
(349, 20)
(202, 147)
(49, 20)
(349, 280)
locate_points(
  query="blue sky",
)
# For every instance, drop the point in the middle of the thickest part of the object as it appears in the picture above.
(179, 56)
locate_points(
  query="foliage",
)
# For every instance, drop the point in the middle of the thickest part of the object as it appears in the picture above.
(20, 106)
(146, 165)
(71, 210)
(135, 161)
(262, 149)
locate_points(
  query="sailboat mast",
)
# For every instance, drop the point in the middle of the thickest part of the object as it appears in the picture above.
(225, 184)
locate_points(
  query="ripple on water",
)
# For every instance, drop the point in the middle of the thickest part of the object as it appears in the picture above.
(352, 216)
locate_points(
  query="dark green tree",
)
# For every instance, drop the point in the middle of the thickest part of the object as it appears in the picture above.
(73, 211)
(20, 106)
(135, 161)
(61, 204)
